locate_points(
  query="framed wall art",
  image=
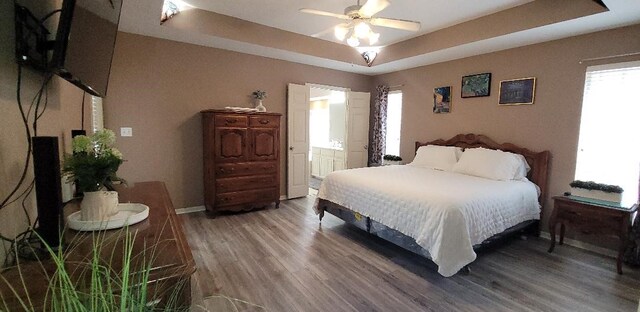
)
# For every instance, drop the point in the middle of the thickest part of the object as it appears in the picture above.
(442, 100)
(476, 85)
(517, 91)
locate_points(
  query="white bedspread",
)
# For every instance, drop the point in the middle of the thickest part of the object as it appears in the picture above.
(446, 213)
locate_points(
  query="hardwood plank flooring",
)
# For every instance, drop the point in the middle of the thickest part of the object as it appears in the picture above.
(284, 260)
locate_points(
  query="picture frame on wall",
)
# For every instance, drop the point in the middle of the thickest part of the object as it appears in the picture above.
(476, 85)
(520, 91)
(442, 100)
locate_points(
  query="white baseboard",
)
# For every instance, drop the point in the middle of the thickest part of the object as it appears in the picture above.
(190, 209)
(582, 245)
(202, 208)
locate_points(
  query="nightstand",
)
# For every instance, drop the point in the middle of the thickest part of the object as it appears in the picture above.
(591, 216)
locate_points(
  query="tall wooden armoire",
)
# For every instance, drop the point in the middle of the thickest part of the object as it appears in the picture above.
(241, 160)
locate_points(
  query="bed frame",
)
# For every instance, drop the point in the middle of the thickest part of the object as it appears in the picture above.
(538, 161)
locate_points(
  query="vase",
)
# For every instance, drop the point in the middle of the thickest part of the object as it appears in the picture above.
(596, 194)
(261, 107)
(98, 206)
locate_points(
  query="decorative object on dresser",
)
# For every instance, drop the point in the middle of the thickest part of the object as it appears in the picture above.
(591, 216)
(241, 160)
(93, 165)
(595, 190)
(260, 95)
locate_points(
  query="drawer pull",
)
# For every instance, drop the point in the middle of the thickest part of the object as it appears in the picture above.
(231, 121)
(264, 121)
(222, 170)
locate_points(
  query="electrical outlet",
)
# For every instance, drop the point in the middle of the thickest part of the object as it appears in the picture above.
(126, 132)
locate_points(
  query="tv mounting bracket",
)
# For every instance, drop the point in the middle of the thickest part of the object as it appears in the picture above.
(32, 43)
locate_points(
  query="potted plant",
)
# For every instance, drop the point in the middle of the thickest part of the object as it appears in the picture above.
(595, 190)
(260, 95)
(93, 165)
(112, 277)
(391, 160)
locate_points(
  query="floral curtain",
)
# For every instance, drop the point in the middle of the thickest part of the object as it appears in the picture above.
(378, 139)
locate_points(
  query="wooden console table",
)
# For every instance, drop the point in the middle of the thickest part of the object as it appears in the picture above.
(591, 217)
(172, 267)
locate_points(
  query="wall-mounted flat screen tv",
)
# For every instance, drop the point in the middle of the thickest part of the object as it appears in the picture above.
(85, 42)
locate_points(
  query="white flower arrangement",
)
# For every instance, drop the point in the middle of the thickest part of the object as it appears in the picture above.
(94, 161)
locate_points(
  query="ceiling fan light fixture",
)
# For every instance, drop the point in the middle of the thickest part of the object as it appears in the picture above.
(362, 29)
(373, 38)
(353, 41)
(340, 32)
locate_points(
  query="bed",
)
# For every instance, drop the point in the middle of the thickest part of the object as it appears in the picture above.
(444, 216)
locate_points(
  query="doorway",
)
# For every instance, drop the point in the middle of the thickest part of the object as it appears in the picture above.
(339, 130)
(327, 132)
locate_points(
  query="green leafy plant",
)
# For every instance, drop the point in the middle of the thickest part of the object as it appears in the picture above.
(392, 158)
(259, 94)
(110, 278)
(590, 185)
(94, 161)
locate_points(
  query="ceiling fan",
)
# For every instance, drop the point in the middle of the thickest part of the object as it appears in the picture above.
(360, 17)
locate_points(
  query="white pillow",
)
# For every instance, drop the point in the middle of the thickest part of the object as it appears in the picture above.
(436, 157)
(491, 164)
(523, 168)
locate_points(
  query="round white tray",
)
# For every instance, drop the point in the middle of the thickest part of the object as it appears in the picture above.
(128, 214)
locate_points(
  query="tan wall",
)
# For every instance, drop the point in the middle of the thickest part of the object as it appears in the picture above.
(552, 123)
(158, 87)
(62, 115)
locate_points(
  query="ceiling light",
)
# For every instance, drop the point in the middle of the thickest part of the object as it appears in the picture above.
(369, 56)
(171, 8)
(353, 41)
(362, 30)
(341, 32)
(355, 31)
(373, 38)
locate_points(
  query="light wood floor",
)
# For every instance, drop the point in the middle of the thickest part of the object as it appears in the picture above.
(283, 260)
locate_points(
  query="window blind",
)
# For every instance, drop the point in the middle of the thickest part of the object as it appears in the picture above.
(608, 149)
(97, 118)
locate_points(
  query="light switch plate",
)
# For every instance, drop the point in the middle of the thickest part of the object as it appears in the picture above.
(126, 132)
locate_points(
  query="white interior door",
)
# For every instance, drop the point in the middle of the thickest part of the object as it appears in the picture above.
(298, 141)
(357, 129)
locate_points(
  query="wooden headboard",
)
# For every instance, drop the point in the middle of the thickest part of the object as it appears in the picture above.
(539, 161)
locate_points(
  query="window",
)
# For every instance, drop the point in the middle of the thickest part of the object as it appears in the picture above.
(97, 120)
(608, 149)
(394, 117)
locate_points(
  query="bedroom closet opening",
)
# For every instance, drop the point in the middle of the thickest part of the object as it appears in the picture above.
(327, 130)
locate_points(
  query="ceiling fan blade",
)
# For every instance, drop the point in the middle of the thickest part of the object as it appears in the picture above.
(329, 30)
(323, 33)
(324, 13)
(395, 23)
(372, 7)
